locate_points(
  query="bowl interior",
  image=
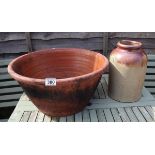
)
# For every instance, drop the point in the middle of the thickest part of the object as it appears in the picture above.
(59, 64)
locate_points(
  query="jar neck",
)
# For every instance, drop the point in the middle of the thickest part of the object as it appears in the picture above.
(129, 44)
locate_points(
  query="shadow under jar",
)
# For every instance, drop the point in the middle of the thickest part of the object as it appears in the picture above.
(127, 69)
(77, 73)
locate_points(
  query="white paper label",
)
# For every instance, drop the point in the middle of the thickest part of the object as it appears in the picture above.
(50, 82)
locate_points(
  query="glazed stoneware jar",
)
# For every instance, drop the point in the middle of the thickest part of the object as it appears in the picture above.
(127, 69)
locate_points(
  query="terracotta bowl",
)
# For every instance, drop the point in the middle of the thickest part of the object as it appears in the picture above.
(77, 73)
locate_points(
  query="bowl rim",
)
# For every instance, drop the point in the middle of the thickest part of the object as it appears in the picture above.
(21, 78)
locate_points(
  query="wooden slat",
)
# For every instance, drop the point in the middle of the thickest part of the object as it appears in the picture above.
(149, 77)
(116, 115)
(86, 116)
(11, 90)
(151, 70)
(24, 97)
(151, 57)
(26, 105)
(40, 117)
(101, 116)
(150, 111)
(100, 91)
(152, 90)
(12, 36)
(96, 94)
(28, 41)
(25, 116)
(131, 115)
(16, 116)
(70, 118)
(104, 86)
(93, 116)
(62, 119)
(138, 114)
(131, 35)
(149, 83)
(90, 43)
(65, 35)
(109, 103)
(33, 116)
(105, 76)
(78, 117)
(105, 43)
(123, 115)
(17, 46)
(8, 104)
(108, 115)
(151, 63)
(8, 84)
(10, 97)
(5, 77)
(47, 118)
(5, 62)
(147, 94)
(3, 70)
(55, 119)
(3, 120)
(6, 36)
(145, 114)
(149, 51)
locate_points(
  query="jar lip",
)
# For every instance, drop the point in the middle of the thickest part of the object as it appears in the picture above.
(129, 44)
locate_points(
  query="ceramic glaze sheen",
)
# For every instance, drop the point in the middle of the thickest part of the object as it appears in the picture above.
(77, 73)
(127, 69)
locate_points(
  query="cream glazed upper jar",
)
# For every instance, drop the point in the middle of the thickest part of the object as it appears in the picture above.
(127, 69)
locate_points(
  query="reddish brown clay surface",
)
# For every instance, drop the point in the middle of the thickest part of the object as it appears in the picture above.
(77, 73)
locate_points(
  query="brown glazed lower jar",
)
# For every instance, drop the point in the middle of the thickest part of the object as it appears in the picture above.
(77, 73)
(127, 69)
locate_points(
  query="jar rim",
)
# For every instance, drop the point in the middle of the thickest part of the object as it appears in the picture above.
(129, 44)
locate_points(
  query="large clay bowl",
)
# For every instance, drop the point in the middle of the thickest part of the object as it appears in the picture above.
(77, 73)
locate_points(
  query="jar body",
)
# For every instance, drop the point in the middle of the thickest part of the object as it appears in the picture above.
(127, 71)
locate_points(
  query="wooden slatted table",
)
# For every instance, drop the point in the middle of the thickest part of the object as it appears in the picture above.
(10, 91)
(101, 109)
